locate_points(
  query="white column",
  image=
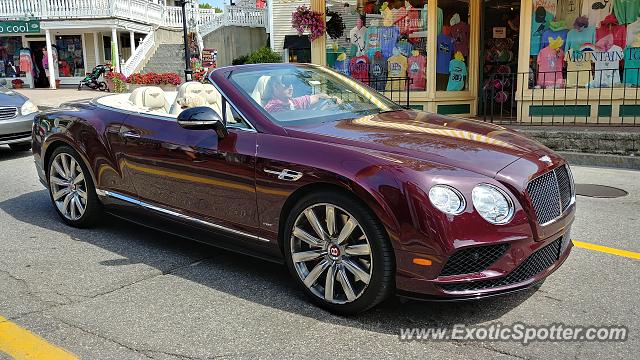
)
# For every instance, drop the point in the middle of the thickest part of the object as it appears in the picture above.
(96, 48)
(52, 74)
(132, 40)
(84, 56)
(114, 42)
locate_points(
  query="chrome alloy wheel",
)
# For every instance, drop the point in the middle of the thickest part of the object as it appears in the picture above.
(68, 186)
(331, 253)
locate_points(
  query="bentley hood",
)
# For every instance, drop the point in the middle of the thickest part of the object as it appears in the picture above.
(473, 145)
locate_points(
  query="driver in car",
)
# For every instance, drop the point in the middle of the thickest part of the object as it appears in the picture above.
(279, 96)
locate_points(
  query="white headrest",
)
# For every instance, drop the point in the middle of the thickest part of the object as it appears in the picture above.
(190, 87)
(149, 98)
(258, 91)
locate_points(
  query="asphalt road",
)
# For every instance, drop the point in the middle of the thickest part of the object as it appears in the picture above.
(121, 291)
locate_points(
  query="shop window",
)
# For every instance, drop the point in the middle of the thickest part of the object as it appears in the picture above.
(70, 60)
(452, 45)
(383, 43)
(9, 56)
(584, 44)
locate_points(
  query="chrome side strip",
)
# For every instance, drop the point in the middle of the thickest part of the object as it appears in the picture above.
(175, 214)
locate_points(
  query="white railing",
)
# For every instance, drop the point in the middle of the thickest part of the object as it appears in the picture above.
(172, 16)
(241, 16)
(139, 55)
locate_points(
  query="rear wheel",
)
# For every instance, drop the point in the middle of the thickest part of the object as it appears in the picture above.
(102, 86)
(71, 188)
(339, 253)
(20, 147)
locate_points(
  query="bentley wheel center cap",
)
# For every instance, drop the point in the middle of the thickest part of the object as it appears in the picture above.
(334, 252)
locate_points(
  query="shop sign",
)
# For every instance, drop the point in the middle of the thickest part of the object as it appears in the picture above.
(17, 27)
(209, 57)
(500, 32)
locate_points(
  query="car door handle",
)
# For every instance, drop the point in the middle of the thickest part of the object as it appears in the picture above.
(131, 135)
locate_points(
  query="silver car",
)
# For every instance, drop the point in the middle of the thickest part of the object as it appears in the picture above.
(16, 118)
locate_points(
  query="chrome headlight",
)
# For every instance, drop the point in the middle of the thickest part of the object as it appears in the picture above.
(447, 199)
(28, 108)
(493, 204)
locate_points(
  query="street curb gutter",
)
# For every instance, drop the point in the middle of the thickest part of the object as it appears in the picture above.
(602, 160)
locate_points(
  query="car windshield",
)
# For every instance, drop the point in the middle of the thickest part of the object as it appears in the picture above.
(298, 95)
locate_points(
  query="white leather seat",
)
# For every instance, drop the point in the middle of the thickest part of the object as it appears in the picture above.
(191, 87)
(258, 91)
(150, 99)
(212, 98)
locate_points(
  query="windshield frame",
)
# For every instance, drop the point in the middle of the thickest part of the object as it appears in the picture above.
(391, 106)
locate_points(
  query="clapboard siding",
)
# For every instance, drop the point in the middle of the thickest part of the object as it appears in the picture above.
(282, 20)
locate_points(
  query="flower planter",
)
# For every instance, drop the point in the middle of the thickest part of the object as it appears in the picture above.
(17, 86)
(110, 85)
(165, 87)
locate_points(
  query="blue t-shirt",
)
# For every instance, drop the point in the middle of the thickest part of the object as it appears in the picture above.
(444, 54)
(405, 47)
(575, 38)
(632, 66)
(457, 72)
(544, 41)
(388, 38)
(342, 66)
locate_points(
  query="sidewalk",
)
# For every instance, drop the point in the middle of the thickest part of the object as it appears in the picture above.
(47, 98)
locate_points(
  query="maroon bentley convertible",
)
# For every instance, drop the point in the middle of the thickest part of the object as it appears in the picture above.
(361, 198)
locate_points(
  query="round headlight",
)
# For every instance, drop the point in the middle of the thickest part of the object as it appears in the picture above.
(28, 108)
(493, 204)
(447, 199)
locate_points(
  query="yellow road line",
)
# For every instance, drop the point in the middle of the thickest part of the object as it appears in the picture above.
(606, 249)
(21, 344)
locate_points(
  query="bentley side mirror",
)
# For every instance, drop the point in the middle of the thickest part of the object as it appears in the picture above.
(202, 118)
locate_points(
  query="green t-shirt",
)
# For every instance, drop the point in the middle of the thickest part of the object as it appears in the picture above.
(626, 11)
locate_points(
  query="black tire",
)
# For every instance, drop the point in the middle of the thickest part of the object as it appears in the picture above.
(93, 209)
(102, 86)
(382, 277)
(20, 147)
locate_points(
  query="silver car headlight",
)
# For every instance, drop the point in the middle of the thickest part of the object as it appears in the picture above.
(493, 204)
(28, 108)
(447, 199)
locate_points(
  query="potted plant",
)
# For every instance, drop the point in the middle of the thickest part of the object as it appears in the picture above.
(115, 81)
(304, 19)
(166, 81)
(17, 83)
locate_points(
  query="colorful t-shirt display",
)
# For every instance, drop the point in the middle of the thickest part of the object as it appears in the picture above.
(550, 67)
(378, 72)
(457, 73)
(554, 35)
(539, 24)
(460, 36)
(610, 26)
(626, 11)
(357, 37)
(372, 39)
(359, 68)
(388, 38)
(596, 11)
(577, 38)
(607, 65)
(405, 47)
(578, 67)
(633, 31)
(632, 66)
(416, 65)
(397, 68)
(569, 10)
(444, 53)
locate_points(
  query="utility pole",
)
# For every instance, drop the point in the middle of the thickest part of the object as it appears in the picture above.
(187, 57)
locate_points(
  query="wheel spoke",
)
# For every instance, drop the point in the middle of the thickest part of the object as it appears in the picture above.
(355, 269)
(65, 205)
(59, 194)
(346, 285)
(59, 169)
(80, 205)
(306, 237)
(65, 165)
(57, 181)
(82, 194)
(358, 250)
(72, 168)
(328, 284)
(315, 223)
(331, 220)
(72, 207)
(315, 273)
(347, 229)
(78, 179)
(307, 255)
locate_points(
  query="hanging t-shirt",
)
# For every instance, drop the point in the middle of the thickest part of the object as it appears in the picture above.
(550, 67)
(25, 60)
(412, 22)
(457, 73)
(397, 69)
(577, 38)
(425, 17)
(417, 66)
(554, 35)
(626, 11)
(357, 37)
(342, 66)
(444, 53)
(359, 68)
(537, 28)
(607, 65)
(569, 10)
(596, 11)
(460, 36)
(378, 73)
(633, 32)
(632, 66)
(405, 47)
(609, 26)
(578, 67)
(388, 37)
(372, 40)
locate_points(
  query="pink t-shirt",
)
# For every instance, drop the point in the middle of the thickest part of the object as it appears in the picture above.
(550, 67)
(299, 103)
(416, 72)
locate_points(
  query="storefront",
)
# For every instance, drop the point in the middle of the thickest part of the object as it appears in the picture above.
(530, 60)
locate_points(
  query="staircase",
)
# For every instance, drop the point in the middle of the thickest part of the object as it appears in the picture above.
(166, 58)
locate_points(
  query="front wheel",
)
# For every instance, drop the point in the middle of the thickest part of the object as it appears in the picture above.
(71, 188)
(102, 86)
(339, 253)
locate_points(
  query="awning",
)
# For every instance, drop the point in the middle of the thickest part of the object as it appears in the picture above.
(296, 42)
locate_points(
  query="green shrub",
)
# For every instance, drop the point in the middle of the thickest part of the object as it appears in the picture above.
(264, 55)
(240, 60)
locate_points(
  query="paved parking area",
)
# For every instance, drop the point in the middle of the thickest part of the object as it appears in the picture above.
(126, 292)
(47, 98)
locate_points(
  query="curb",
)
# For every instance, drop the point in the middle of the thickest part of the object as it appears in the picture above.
(602, 160)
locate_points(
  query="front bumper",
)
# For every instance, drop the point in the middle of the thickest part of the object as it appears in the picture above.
(16, 130)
